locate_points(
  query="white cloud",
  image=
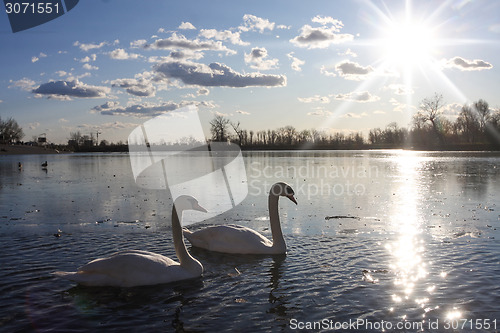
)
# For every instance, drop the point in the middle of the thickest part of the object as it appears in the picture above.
(353, 71)
(35, 58)
(325, 20)
(321, 37)
(138, 43)
(90, 58)
(67, 89)
(327, 72)
(319, 112)
(348, 53)
(243, 112)
(216, 75)
(90, 67)
(354, 115)
(121, 54)
(181, 42)
(233, 37)
(400, 89)
(296, 62)
(186, 26)
(253, 23)
(145, 109)
(314, 99)
(203, 91)
(138, 87)
(24, 84)
(257, 58)
(466, 65)
(401, 107)
(357, 96)
(90, 46)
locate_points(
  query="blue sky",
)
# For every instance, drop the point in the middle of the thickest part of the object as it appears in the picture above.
(325, 65)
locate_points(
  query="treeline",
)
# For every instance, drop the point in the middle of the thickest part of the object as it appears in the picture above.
(475, 127)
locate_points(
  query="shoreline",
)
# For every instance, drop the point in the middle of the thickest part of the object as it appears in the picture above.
(27, 150)
(36, 150)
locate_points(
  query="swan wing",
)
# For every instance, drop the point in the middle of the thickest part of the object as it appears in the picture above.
(127, 269)
(230, 239)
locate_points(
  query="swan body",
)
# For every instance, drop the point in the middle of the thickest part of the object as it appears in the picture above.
(139, 268)
(242, 240)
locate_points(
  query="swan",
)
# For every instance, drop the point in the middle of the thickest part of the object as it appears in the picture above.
(140, 268)
(44, 164)
(242, 240)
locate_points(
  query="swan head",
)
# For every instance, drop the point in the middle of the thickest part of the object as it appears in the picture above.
(284, 190)
(187, 202)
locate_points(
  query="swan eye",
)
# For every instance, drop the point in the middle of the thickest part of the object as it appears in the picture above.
(289, 191)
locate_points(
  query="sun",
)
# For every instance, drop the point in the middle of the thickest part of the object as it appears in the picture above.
(407, 45)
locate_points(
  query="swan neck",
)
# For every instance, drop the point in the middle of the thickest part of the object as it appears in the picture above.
(185, 259)
(274, 219)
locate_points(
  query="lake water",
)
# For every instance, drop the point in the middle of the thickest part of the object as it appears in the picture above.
(379, 241)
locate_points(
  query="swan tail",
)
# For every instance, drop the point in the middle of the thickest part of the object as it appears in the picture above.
(94, 279)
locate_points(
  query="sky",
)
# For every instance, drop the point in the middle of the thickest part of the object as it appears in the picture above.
(108, 66)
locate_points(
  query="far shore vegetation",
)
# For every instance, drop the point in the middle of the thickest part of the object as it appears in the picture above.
(477, 127)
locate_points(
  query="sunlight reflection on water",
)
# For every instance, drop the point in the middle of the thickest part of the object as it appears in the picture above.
(408, 259)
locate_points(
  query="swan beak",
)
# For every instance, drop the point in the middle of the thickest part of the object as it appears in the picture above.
(292, 199)
(199, 208)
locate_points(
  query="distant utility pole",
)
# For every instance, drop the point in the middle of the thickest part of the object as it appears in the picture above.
(97, 133)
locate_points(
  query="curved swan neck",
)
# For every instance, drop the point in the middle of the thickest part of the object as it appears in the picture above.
(185, 259)
(274, 218)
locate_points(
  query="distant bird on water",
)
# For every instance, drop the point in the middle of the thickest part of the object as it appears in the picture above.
(44, 164)
(20, 165)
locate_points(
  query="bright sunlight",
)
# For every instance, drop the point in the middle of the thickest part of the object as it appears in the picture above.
(408, 44)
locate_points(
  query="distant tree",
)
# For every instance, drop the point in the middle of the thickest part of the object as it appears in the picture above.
(10, 131)
(468, 124)
(218, 128)
(75, 139)
(375, 135)
(483, 114)
(290, 134)
(430, 112)
(239, 132)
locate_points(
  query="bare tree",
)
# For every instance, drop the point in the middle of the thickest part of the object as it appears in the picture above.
(219, 128)
(239, 132)
(468, 124)
(483, 113)
(10, 131)
(430, 112)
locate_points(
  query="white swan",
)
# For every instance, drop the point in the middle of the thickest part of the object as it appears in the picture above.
(140, 268)
(242, 240)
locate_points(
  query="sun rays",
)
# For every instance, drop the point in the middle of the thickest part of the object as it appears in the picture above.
(407, 51)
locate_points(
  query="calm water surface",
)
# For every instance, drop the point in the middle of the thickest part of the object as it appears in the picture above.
(384, 240)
